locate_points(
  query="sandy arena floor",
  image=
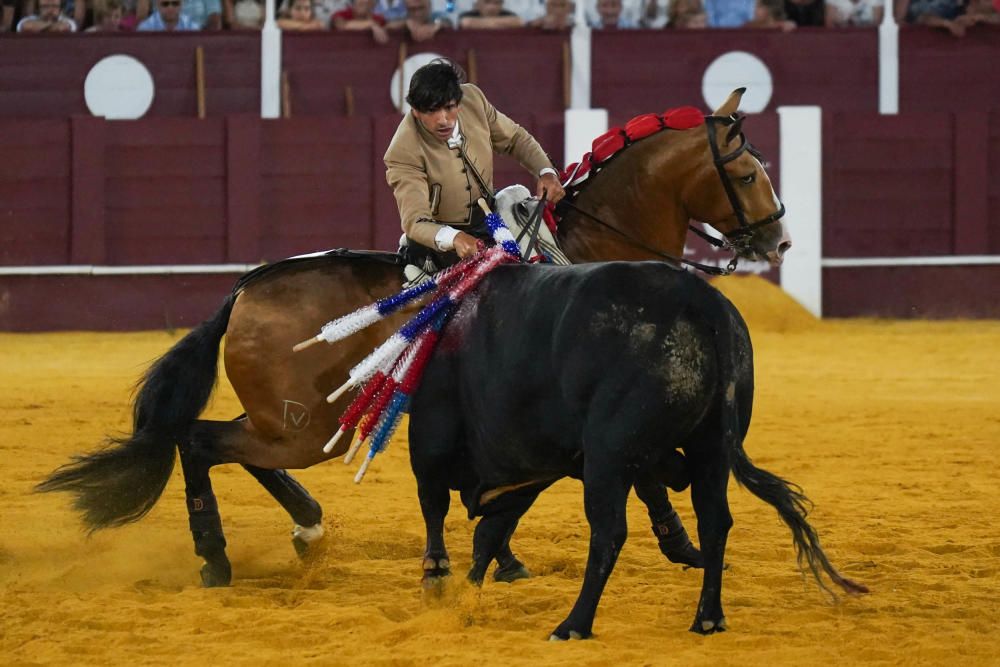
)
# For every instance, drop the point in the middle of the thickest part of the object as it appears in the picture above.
(892, 428)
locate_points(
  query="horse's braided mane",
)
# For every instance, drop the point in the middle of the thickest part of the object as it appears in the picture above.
(617, 139)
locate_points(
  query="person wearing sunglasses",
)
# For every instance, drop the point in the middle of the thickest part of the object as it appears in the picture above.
(48, 19)
(168, 17)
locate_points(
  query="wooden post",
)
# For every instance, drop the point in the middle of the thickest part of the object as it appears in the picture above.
(567, 75)
(349, 100)
(199, 68)
(402, 74)
(286, 95)
(473, 67)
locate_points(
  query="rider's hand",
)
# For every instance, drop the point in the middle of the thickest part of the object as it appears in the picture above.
(466, 245)
(550, 184)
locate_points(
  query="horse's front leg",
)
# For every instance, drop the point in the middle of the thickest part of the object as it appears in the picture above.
(670, 534)
(492, 536)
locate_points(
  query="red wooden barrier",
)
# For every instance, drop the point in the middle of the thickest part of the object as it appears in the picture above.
(43, 75)
(836, 69)
(521, 70)
(938, 72)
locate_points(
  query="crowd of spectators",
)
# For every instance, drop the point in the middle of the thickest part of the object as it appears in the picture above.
(423, 19)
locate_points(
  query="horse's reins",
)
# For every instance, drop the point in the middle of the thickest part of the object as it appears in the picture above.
(734, 241)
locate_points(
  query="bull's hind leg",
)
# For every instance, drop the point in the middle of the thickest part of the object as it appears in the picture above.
(606, 486)
(293, 497)
(198, 454)
(710, 475)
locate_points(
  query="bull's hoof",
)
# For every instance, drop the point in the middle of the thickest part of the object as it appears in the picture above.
(564, 633)
(511, 572)
(706, 627)
(215, 575)
(436, 570)
(685, 555)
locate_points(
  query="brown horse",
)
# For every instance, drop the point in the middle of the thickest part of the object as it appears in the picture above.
(636, 208)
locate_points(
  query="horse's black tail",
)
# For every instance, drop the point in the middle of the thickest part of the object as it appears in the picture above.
(120, 483)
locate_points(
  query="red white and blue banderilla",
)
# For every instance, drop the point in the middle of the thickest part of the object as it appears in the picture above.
(392, 372)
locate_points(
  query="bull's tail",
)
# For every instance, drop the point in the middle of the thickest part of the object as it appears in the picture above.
(793, 507)
(120, 483)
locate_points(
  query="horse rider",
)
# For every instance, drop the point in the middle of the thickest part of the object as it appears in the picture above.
(440, 162)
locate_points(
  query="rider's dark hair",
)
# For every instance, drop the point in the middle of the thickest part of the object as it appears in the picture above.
(435, 85)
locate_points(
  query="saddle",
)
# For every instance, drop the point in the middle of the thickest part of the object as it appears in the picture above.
(516, 207)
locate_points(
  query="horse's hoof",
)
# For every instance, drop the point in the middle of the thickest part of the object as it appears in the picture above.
(511, 573)
(216, 575)
(301, 547)
(707, 627)
(304, 538)
(686, 555)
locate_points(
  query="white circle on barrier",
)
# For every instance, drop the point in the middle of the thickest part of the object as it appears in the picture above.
(118, 87)
(410, 65)
(737, 69)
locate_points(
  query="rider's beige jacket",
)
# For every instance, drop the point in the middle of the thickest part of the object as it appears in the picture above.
(430, 180)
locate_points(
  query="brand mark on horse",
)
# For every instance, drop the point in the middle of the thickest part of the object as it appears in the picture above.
(296, 416)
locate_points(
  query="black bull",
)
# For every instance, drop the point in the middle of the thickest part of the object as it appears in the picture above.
(598, 372)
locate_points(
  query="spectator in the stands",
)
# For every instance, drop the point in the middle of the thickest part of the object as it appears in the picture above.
(107, 16)
(807, 13)
(610, 17)
(933, 13)
(558, 16)
(361, 16)
(298, 15)
(855, 12)
(206, 14)
(393, 11)
(6, 15)
(770, 15)
(696, 20)
(982, 11)
(421, 23)
(728, 13)
(49, 18)
(489, 14)
(245, 14)
(134, 12)
(167, 18)
(325, 9)
(681, 12)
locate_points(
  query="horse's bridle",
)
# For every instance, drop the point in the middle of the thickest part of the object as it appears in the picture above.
(735, 123)
(737, 240)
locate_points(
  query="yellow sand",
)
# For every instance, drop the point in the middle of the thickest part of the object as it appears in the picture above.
(892, 428)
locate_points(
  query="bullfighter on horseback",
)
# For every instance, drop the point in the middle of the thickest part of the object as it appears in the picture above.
(439, 164)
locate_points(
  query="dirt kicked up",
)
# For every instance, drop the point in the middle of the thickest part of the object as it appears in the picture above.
(891, 428)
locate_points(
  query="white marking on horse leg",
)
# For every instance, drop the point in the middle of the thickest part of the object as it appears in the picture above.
(731, 392)
(308, 534)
